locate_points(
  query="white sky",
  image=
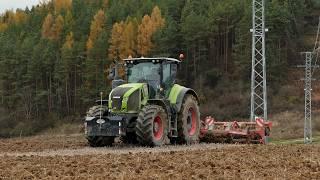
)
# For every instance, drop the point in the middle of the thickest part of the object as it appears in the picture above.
(14, 4)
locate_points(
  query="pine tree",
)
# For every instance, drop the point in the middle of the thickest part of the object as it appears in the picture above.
(20, 17)
(147, 28)
(156, 18)
(69, 41)
(128, 39)
(96, 28)
(57, 28)
(64, 71)
(3, 27)
(144, 36)
(46, 26)
(62, 4)
(116, 40)
(105, 4)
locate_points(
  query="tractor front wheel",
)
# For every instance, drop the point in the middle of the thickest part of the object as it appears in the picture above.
(189, 121)
(100, 141)
(151, 126)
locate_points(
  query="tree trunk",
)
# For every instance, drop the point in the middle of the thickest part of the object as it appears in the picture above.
(75, 89)
(67, 96)
(226, 46)
(49, 94)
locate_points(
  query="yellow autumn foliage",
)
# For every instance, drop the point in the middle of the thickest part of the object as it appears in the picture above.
(146, 29)
(68, 44)
(116, 40)
(62, 4)
(3, 27)
(131, 39)
(52, 28)
(57, 28)
(46, 26)
(96, 28)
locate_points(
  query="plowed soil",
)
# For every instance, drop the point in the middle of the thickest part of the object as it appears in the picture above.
(69, 157)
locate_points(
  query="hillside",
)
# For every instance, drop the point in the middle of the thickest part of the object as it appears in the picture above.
(54, 57)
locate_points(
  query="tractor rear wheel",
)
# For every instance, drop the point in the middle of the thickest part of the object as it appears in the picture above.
(189, 121)
(99, 141)
(151, 126)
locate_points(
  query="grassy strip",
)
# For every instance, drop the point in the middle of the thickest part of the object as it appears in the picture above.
(315, 140)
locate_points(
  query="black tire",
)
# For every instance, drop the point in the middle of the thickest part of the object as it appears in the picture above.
(95, 111)
(130, 138)
(99, 141)
(151, 126)
(189, 121)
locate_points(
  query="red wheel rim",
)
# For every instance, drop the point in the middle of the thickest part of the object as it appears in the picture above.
(192, 121)
(157, 128)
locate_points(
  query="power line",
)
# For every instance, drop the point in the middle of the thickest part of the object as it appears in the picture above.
(316, 47)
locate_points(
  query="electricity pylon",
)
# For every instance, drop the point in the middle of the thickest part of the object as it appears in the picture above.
(258, 76)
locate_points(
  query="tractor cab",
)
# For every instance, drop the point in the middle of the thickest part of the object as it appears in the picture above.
(158, 73)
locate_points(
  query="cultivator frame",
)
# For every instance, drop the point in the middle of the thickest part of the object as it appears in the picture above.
(235, 132)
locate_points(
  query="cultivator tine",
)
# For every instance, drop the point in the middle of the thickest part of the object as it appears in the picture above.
(235, 132)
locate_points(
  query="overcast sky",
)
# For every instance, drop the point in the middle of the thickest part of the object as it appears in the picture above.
(14, 4)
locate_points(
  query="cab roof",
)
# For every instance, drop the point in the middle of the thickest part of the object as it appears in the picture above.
(149, 59)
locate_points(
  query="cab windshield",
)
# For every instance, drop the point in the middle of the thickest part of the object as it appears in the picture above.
(144, 72)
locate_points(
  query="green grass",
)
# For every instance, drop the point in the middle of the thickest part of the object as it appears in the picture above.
(315, 140)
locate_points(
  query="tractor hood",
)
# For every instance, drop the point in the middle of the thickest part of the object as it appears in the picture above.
(126, 97)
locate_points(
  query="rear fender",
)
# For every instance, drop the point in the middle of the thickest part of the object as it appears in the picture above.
(177, 95)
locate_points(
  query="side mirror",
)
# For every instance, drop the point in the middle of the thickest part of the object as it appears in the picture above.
(112, 73)
(128, 72)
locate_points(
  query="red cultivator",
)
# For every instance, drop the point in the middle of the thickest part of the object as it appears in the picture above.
(235, 132)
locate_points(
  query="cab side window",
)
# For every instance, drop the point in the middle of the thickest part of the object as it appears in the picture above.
(169, 74)
(166, 72)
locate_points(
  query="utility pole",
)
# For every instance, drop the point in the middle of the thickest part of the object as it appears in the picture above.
(308, 95)
(258, 76)
(308, 88)
(307, 98)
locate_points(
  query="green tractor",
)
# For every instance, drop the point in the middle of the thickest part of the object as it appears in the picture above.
(149, 109)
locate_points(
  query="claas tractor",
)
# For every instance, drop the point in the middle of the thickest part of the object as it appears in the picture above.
(148, 108)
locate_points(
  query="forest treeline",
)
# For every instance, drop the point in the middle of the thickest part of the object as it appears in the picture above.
(54, 57)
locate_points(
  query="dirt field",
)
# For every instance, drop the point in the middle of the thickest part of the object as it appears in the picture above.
(68, 157)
